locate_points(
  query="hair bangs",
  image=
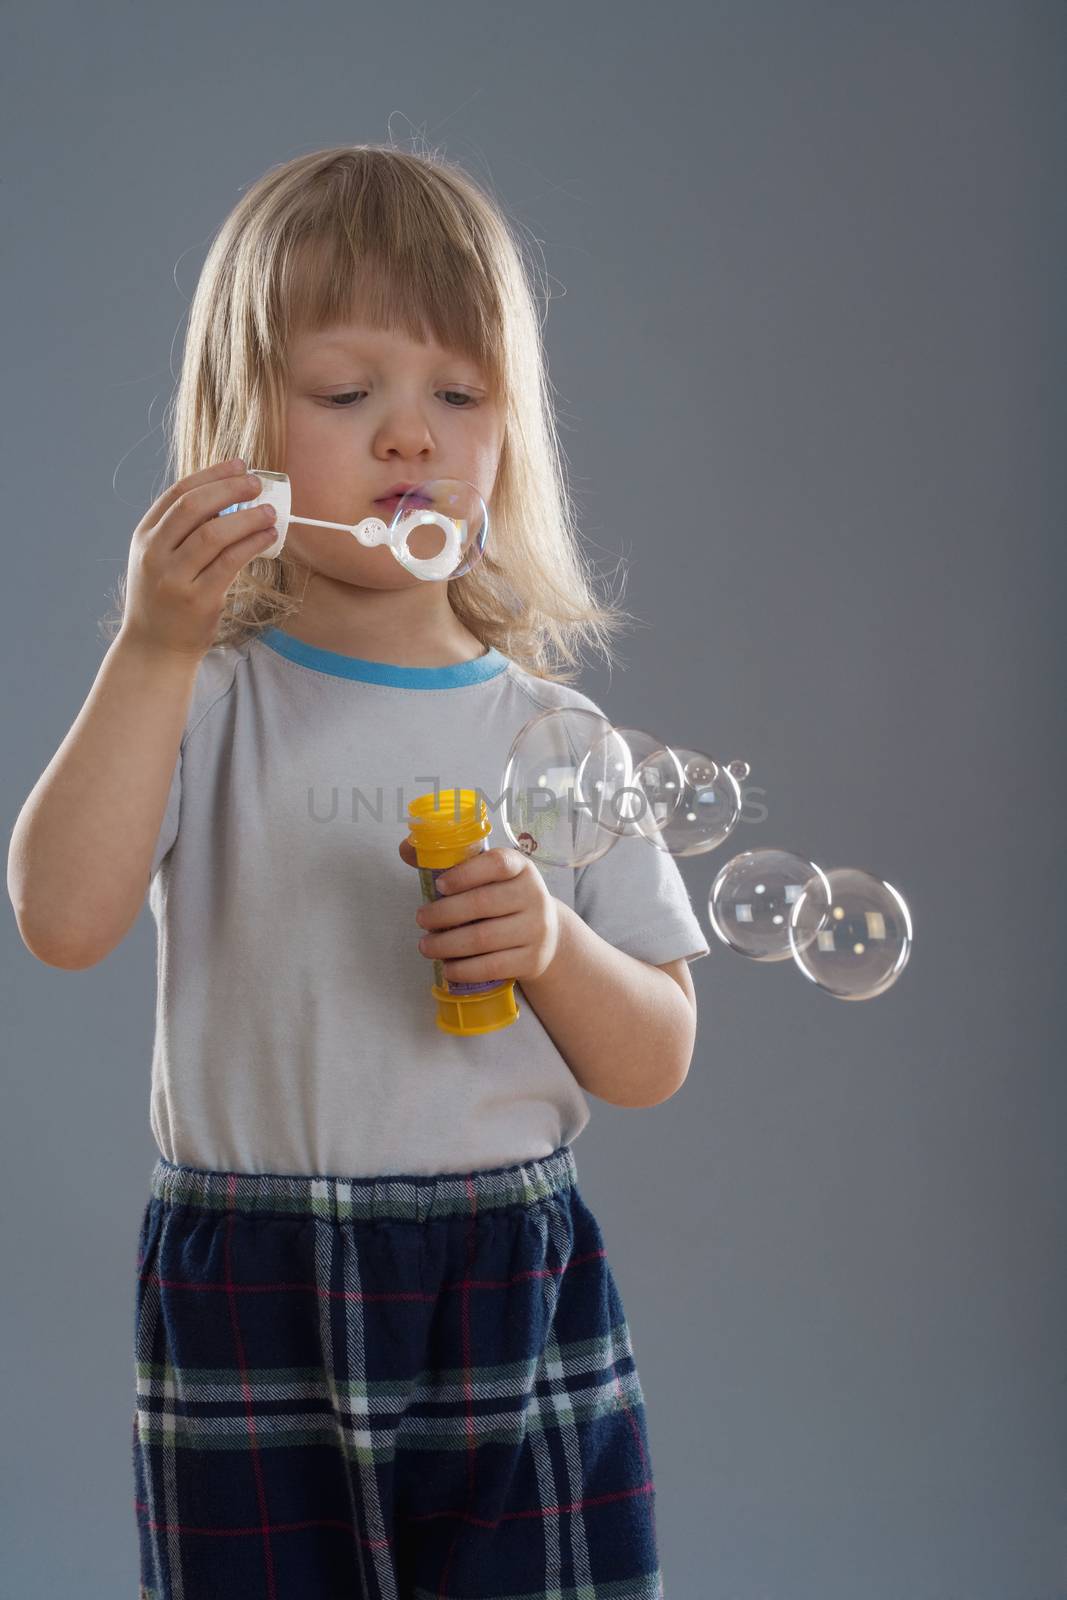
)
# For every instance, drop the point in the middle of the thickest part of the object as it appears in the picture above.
(379, 262)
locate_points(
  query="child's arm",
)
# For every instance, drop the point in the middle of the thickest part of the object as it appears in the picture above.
(80, 852)
(627, 1036)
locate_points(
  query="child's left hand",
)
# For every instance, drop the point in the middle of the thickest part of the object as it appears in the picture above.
(497, 919)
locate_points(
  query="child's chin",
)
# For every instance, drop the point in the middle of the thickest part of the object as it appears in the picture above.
(393, 577)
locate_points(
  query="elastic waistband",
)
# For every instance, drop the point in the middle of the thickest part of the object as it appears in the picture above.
(396, 1197)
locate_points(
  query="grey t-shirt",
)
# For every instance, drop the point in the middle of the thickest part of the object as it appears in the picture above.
(295, 1027)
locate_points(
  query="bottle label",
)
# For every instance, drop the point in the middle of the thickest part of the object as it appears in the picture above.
(428, 877)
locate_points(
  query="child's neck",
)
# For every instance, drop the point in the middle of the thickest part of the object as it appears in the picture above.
(402, 627)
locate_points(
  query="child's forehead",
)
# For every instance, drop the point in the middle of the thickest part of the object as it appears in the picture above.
(359, 339)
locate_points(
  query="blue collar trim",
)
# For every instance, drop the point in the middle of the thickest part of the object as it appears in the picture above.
(455, 676)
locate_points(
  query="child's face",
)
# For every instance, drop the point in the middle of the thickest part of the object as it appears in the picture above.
(366, 409)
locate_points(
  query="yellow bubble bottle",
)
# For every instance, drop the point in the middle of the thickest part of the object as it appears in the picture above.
(443, 834)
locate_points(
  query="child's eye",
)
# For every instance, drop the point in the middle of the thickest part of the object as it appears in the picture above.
(352, 393)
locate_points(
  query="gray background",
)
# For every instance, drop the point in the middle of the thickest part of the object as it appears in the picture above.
(807, 328)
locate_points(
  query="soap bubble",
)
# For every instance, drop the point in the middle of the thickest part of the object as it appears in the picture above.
(855, 941)
(635, 792)
(439, 528)
(752, 899)
(543, 809)
(705, 812)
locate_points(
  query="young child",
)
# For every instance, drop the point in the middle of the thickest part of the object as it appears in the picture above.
(379, 1347)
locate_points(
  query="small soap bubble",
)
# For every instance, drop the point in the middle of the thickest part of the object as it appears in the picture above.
(855, 941)
(739, 770)
(700, 771)
(542, 808)
(752, 898)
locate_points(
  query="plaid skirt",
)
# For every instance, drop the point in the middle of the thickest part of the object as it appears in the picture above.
(391, 1388)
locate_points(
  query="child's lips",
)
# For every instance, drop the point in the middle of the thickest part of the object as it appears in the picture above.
(413, 502)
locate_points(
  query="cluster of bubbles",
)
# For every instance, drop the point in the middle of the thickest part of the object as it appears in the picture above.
(574, 785)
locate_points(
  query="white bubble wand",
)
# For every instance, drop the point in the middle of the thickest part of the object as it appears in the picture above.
(372, 531)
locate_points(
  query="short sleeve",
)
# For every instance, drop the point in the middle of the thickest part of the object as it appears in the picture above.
(168, 830)
(634, 896)
(215, 678)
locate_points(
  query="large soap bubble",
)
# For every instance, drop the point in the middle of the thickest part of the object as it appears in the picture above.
(437, 531)
(543, 808)
(854, 940)
(752, 899)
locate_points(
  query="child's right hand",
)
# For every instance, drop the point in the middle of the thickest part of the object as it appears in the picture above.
(184, 556)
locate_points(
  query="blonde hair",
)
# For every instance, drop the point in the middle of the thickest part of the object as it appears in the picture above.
(398, 241)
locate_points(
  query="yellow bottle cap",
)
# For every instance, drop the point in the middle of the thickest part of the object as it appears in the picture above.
(443, 834)
(476, 1013)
